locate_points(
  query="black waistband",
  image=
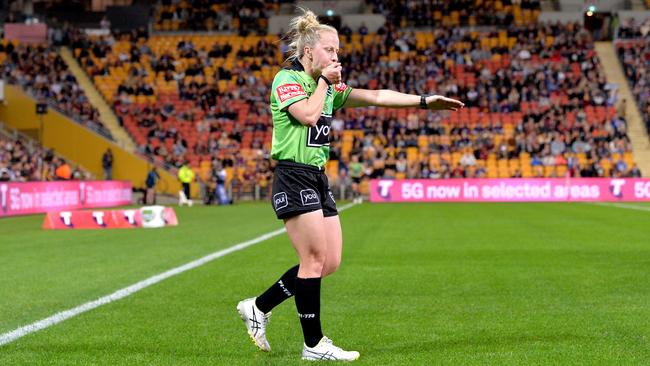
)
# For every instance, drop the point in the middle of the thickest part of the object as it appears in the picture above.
(293, 164)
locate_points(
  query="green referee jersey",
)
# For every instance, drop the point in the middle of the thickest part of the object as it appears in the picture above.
(291, 139)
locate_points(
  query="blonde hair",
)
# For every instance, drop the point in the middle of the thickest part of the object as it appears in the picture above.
(304, 30)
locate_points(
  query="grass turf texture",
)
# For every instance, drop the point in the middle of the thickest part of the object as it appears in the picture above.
(420, 284)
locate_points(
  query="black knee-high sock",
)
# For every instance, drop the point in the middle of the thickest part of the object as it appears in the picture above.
(281, 290)
(308, 305)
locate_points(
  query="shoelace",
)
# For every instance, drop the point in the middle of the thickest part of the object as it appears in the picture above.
(327, 340)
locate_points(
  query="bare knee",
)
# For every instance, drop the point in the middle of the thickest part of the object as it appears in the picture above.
(312, 264)
(331, 265)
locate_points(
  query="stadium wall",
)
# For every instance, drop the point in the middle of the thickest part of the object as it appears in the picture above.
(78, 143)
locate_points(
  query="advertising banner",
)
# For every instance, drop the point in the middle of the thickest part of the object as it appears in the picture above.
(23, 198)
(26, 33)
(511, 190)
(111, 219)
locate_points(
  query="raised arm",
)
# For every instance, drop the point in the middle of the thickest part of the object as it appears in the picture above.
(393, 99)
(308, 110)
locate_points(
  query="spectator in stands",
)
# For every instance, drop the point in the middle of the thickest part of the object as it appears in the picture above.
(107, 164)
(150, 183)
(44, 74)
(634, 55)
(63, 170)
(105, 23)
(22, 162)
(5, 173)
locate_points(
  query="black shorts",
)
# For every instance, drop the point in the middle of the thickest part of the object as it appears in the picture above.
(356, 180)
(300, 188)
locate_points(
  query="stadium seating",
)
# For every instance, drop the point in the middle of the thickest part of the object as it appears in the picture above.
(634, 53)
(24, 160)
(528, 89)
(457, 13)
(42, 72)
(243, 16)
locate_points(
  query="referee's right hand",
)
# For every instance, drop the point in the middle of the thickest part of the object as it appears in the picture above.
(332, 72)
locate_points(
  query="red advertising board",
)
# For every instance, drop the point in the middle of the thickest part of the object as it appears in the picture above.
(103, 219)
(23, 198)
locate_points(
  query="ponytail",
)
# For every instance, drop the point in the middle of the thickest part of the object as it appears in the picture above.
(304, 30)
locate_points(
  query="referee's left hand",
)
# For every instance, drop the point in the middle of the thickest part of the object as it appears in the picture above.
(440, 103)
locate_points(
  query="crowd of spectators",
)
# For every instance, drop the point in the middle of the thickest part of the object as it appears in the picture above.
(202, 107)
(556, 94)
(632, 29)
(536, 90)
(243, 16)
(430, 13)
(41, 71)
(21, 161)
(634, 52)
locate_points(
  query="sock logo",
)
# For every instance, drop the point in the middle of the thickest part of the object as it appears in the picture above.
(284, 289)
(307, 316)
(309, 197)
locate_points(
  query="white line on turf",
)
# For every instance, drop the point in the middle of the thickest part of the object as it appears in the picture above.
(122, 293)
(622, 205)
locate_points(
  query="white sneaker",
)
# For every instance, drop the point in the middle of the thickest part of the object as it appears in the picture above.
(325, 350)
(255, 321)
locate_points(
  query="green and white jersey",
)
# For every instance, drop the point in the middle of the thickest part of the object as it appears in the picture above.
(291, 139)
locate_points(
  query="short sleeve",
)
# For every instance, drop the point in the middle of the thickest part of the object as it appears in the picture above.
(341, 93)
(287, 89)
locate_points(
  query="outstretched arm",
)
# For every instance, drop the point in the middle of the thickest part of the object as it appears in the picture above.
(392, 99)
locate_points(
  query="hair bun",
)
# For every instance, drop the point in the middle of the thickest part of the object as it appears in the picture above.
(307, 22)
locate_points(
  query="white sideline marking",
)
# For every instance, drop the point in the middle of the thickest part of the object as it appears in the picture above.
(122, 293)
(622, 205)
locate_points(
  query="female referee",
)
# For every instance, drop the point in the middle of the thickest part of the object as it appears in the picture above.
(303, 99)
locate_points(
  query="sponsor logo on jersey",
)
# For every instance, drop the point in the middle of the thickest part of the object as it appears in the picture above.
(319, 135)
(288, 91)
(340, 87)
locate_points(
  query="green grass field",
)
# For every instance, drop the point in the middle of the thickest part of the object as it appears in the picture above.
(420, 284)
